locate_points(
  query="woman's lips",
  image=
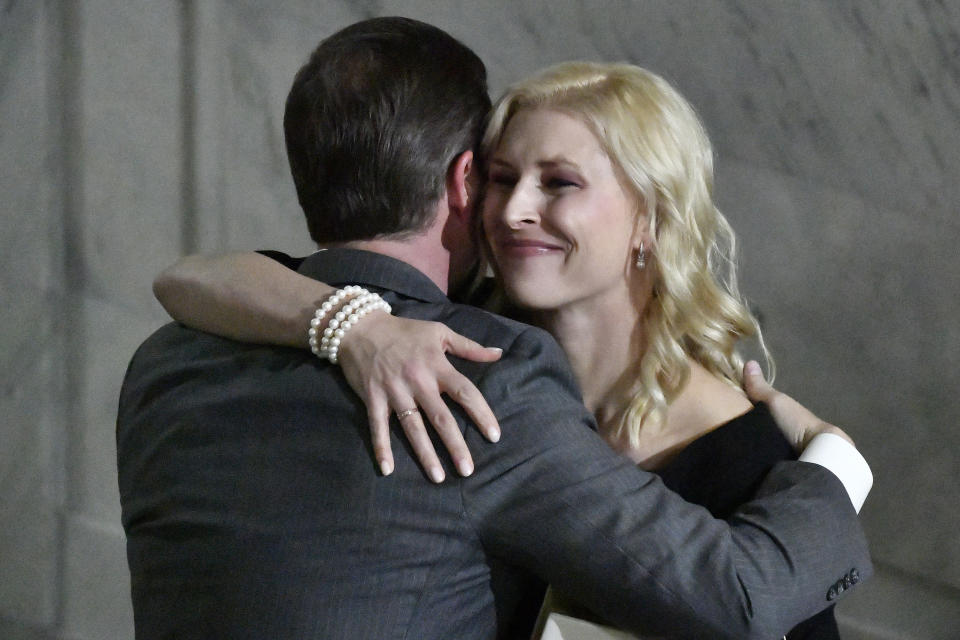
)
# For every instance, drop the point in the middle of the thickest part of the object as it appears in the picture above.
(527, 248)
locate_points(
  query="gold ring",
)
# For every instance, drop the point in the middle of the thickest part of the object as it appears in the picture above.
(406, 412)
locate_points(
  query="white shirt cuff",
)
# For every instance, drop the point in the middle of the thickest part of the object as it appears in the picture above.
(844, 461)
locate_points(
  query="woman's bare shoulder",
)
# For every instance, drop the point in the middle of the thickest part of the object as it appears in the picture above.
(706, 403)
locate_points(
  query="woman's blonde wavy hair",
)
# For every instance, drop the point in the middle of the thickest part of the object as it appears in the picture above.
(656, 140)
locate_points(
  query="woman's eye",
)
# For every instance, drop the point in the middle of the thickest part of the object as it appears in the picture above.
(560, 183)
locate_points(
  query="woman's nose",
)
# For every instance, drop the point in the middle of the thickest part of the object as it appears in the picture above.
(522, 208)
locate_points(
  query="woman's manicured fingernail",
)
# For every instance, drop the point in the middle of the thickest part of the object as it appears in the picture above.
(497, 349)
(753, 368)
(494, 435)
(436, 474)
(386, 467)
(465, 467)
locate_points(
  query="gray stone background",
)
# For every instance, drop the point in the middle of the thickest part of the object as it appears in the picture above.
(134, 131)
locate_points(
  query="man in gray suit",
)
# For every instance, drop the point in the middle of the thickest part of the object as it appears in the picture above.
(251, 500)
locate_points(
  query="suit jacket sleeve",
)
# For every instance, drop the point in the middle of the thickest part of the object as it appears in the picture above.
(554, 498)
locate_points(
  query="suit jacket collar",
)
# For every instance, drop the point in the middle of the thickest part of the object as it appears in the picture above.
(339, 267)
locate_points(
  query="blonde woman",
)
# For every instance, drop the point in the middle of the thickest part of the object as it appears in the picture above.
(601, 228)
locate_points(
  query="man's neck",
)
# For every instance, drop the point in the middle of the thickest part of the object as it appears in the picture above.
(423, 252)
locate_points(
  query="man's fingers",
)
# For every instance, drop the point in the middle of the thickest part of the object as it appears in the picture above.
(796, 422)
(756, 386)
(462, 347)
(462, 391)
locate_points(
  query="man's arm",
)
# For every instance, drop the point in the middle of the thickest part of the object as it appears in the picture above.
(553, 497)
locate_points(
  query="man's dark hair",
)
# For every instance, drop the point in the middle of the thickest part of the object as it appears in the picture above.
(373, 122)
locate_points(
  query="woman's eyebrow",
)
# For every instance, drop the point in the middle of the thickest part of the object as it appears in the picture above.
(558, 161)
(548, 163)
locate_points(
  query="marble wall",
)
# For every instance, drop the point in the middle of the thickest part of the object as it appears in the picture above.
(136, 131)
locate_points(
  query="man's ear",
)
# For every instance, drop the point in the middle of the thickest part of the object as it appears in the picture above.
(460, 184)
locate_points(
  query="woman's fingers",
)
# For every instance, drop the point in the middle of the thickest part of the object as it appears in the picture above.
(426, 404)
(466, 348)
(436, 411)
(412, 424)
(378, 413)
(401, 364)
(462, 391)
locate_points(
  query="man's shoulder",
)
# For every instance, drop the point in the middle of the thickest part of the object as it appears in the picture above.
(174, 336)
(167, 335)
(493, 330)
(167, 351)
(532, 363)
(175, 353)
(175, 340)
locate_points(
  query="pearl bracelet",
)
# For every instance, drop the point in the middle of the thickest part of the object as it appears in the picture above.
(328, 305)
(360, 304)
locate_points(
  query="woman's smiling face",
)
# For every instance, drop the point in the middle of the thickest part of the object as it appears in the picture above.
(561, 227)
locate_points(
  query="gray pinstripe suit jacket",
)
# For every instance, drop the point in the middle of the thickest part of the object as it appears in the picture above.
(253, 508)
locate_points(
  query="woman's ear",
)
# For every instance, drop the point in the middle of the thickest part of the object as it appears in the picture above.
(641, 230)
